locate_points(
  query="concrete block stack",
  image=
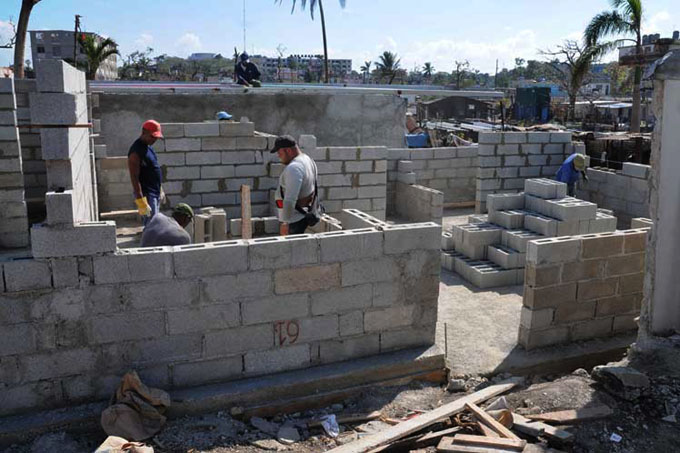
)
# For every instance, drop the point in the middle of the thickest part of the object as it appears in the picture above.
(209, 225)
(507, 159)
(582, 287)
(353, 219)
(260, 226)
(491, 250)
(60, 109)
(413, 202)
(625, 192)
(113, 184)
(13, 215)
(451, 171)
(203, 313)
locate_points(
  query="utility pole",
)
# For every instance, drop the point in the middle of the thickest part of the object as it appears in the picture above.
(75, 40)
(495, 75)
(244, 25)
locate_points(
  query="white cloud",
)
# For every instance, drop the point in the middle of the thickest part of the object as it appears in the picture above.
(188, 43)
(658, 23)
(145, 40)
(6, 32)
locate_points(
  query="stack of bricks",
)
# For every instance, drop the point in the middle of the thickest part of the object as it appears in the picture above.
(35, 176)
(259, 226)
(491, 251)
(113, 184)
(582, 287)
(13, 216)
(507, 159)
(413, 202)
(60, 109)
(202, 313)
(625, 192)
(210, 224)
(449, 170)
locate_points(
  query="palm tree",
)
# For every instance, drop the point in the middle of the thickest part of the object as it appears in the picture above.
(96, 52)
(625, 19)
(20, 43)
(388, 65)
(312, 6)
(366, 69)
(428, 70)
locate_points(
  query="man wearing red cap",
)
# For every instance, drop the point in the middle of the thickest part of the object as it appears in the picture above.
(145, 173)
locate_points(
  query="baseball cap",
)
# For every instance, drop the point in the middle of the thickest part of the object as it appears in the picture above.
(244, 56)
(223, 115)
(284, 141)
(184, 209)
(579, 162)
(154, 127)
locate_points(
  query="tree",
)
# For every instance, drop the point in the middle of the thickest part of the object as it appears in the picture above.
(137, 65)
(620, 78)
(96, 52)
(20, 42)
(573, 68)
(459, 72)
(388, 65)
(428, 70)
(312, 7)
(8, 42)
(366, 69)
(625, 19)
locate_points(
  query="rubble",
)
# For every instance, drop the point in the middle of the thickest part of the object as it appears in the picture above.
(624, 382)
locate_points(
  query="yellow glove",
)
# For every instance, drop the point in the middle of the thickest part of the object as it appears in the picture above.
(143, 207)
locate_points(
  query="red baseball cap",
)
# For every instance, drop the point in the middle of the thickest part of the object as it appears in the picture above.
(154, 127)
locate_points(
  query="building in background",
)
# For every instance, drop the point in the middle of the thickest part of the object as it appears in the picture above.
(59, 44)
(295, 68)
(201, 56)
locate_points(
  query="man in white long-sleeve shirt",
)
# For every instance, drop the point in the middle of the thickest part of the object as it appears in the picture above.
(297, 195)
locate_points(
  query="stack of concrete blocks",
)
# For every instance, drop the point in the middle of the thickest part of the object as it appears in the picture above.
(625, 192)
(491, 251)
(353, 219)
(202, 313)
(13, 215)
(210, 224)
(582, 287)
(113, 184)
(449, 170)
(413, 202)
(326, 225)
(507, 159)
(260, 226)
(59, 108)
(349, 177)
(641, 222)
(33, 165)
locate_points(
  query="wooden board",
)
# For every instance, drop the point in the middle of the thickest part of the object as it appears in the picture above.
(423, 421)
(481, 441)
(486, 431)
(350, 418)
(420, 441)
(570, 417)
(550, 432)
(527, 427)
(246, 224)
(446, 445)
(490, 422)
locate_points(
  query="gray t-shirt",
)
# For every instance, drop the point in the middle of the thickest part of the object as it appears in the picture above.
(163, 230)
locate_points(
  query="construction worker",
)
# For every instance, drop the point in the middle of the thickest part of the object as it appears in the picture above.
(247, 72)
(145, 173)
(163, 230)
(297, 197)
(571, 171)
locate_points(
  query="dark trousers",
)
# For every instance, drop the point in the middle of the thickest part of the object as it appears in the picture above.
(571, 189)
(298, 227)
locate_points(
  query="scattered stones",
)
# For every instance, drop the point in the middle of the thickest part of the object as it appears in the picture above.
(288, 435)
(268, 444)
(624, 382)
(263, 425)
(456, 385)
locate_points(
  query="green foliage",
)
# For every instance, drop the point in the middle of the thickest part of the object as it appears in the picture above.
(388, 65)
(96, 51)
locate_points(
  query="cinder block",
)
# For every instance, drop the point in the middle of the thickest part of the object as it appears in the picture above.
(350, 348)
(64, 272)
(618, 305)
(560, 137)
(543, 225)
(201, 129)
(489, 275)
(280, 359)
(416, 236)
(490, 138)
(602, 245)
(342, 246)
(580, 311)
(280, 252)
(203, 318)
(59, 207)
(342, 300)
(641, 222)
(553, 250)
(85, 238)
(532, 339)
(511, 219)
(370, 271)
(309, 278)
(506, 257)
(389, 318)
(234, 129)
(205, 371)
(57, 76)
(405, 166)
(239, 340)
(307, 142)
(550, 296)
(542, 188)
(27, 274)
(127, 326)
(58, 108)
(626, 264)
(592, 329)
(226, 257)
(595, 289)
(505, 201)
(150, 263)
(536, 319)
(518, 239)
(447, 241)
(243, 143)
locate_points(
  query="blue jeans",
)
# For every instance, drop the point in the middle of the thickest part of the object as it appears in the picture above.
(154, 202)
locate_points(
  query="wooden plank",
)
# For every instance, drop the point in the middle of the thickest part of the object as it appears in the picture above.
(491, 422)
(246, 224)
(350, 418)
(527, 427)
(421, 441)
(423, 421)
(508, 444)
(488, 432)
(572, 416)
(446, 445)
(550, 432)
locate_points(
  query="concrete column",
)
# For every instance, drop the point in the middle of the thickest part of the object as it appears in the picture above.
(661, 306)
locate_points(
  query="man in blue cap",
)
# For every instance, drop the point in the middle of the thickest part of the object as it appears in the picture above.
(571, 171)
(247, 73)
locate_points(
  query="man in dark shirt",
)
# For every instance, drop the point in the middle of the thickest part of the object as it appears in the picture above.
(247, 73)
(145, 173)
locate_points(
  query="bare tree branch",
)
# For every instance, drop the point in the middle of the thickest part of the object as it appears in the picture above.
(13, 39)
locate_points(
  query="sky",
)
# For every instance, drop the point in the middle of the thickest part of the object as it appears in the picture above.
(435, 31)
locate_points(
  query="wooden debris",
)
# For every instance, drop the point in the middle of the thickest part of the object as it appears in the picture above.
(549, 432)
(486, 431)
(570, 417)
(423, 421)
(481, 441)
(420, 441)
(504, 417)
(446, 445)
(491, 422)
(246, 224)
(348, 419)
(527, 427)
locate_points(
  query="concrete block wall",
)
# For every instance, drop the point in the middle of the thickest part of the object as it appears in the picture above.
(582, 287)
(452, 171)
(35, 173)
(507, 159)
(113, 184)
(416, 203)
(13, 215)
(625, 192)
(202, 313)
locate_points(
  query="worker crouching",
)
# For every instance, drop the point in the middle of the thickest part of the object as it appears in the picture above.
(571, 171)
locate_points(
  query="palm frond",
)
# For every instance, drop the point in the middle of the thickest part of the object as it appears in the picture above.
(605, 24)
